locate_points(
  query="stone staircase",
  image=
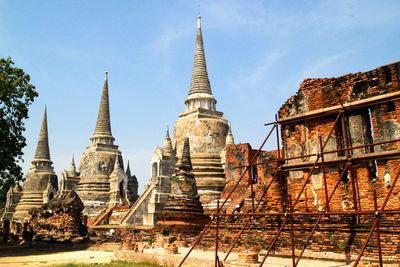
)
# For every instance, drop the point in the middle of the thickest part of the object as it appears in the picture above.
(130, 217)
(102, 217)
(117, 214)
(210, 177)
(244, 200)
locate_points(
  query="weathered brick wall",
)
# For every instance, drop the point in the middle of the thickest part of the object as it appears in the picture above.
(60, 218)
(337, 237)
(301, 137)
(367, 124)
(326, 92)
(241, 155)
(370, 123)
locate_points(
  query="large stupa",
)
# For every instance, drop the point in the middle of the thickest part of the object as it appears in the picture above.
(40, 183)
(206, 128)
(103, 183)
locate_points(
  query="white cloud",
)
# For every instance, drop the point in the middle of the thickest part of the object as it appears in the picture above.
(256, 76)
(231, 14)
(317, 66)
(168, 36)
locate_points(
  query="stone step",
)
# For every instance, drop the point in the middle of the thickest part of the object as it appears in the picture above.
(219, 177)
(206, 163)
(208, 172)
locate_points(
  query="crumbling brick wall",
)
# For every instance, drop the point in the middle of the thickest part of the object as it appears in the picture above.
(60, 218)
(371, 105)
(237, 158)
(365, 124)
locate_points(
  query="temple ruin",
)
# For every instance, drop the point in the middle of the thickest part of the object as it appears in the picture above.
(207, 130)
(205, 127)
(14, 195)
(150, 203)
(40, 183)
(182, 213)
(103, 183)
(329, 190)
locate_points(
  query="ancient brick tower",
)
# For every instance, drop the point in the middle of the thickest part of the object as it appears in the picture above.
(102, 182)
(205, 127)
(40, 182)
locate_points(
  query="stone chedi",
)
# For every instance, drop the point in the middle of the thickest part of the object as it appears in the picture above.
(205, 127)
(69, 179)
(40, 182)
(183, 206)
(14, 194)
(133, 184)
(150, 204)
(229, 138)
(102, 183)
(229, 142)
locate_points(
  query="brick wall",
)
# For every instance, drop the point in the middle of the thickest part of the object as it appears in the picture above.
(367, 124)
(371, 114)
(241, 155)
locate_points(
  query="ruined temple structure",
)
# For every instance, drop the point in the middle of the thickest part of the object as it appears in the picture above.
(228, 142)
(14, 195)
(240, 155)
(69, 179)
(151, 202)
(335, 181)
(205, 127)
(183, 212)
(132, 185)
(207, 131)
(60, 218)
(102, 181)
(370, 108)
(40, 183)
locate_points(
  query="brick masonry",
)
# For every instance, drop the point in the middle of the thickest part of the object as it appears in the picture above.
(307, 119)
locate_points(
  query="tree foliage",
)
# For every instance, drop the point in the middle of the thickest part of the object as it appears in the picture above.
(16, 94)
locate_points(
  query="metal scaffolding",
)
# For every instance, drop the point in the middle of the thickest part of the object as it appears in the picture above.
(288, 204)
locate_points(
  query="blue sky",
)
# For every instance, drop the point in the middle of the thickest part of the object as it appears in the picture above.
(257, 52)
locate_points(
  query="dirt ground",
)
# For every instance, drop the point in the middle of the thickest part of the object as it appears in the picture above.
(34, 257)
(233, 259)
(43, 256)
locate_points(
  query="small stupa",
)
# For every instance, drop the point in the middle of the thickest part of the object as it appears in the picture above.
(183, 206)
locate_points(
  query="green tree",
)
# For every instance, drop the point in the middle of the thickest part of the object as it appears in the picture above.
(16, 94)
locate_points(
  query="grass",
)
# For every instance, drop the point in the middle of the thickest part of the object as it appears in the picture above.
(110, 264)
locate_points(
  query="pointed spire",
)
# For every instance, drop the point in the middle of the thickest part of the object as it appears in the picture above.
(42, 149)
(17, 188)
(167, 142)
(103, 125)
(229, 138)
(72, 168)
(167, 133)
(186, 163)
(200, 82)
(128, 170)
(117, 166)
